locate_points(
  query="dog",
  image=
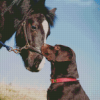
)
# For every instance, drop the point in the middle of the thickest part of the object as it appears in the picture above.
(64, 74)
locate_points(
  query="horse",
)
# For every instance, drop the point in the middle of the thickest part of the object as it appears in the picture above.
(31, 20)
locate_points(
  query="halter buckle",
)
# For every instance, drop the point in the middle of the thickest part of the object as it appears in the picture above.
(27, 45)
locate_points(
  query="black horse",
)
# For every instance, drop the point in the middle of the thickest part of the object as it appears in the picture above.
(36, 19)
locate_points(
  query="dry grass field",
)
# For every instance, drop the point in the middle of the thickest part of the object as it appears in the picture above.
(13, 92)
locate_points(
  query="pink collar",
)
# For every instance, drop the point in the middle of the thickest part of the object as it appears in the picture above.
(62, 80)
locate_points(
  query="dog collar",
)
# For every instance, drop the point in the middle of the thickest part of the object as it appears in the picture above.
(63, 80)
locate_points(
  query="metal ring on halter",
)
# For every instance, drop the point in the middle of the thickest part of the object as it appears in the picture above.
(14, 50)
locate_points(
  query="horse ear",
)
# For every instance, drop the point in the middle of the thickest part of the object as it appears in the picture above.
(53, 10)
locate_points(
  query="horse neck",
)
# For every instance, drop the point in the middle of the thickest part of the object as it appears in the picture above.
(15, 10)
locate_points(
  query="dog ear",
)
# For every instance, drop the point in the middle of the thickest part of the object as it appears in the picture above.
(62, 58)
(63, 55)
(57, 48)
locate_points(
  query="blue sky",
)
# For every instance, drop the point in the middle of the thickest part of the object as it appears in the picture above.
(78, 26)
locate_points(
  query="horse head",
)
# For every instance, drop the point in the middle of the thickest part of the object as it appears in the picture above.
(37, 28)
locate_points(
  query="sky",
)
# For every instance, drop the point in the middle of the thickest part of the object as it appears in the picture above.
(77, 25)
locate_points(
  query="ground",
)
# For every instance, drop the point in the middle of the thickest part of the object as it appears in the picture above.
(14, 92)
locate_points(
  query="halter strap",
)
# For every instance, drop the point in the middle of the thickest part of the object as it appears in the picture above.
(24, 18)
(24, 26)
(28, 46)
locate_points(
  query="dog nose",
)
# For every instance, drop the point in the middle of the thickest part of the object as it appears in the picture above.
(43, 46)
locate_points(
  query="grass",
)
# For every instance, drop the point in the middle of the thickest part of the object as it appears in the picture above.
(13, 92)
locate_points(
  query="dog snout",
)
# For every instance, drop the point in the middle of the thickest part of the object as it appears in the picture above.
(44, 45)
(43, 48)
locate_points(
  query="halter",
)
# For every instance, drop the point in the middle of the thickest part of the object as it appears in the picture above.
(27, 46)
(23, 23)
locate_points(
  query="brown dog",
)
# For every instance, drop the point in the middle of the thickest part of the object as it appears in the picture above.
(64, 74)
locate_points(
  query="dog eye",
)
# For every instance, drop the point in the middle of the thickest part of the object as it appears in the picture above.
(33, 27)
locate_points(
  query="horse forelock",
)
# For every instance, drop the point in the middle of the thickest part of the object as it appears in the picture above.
(50, 17)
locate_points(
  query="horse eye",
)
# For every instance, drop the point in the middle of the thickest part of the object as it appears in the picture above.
(33, 27)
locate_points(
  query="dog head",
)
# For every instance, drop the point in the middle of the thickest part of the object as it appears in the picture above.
(58, 53)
